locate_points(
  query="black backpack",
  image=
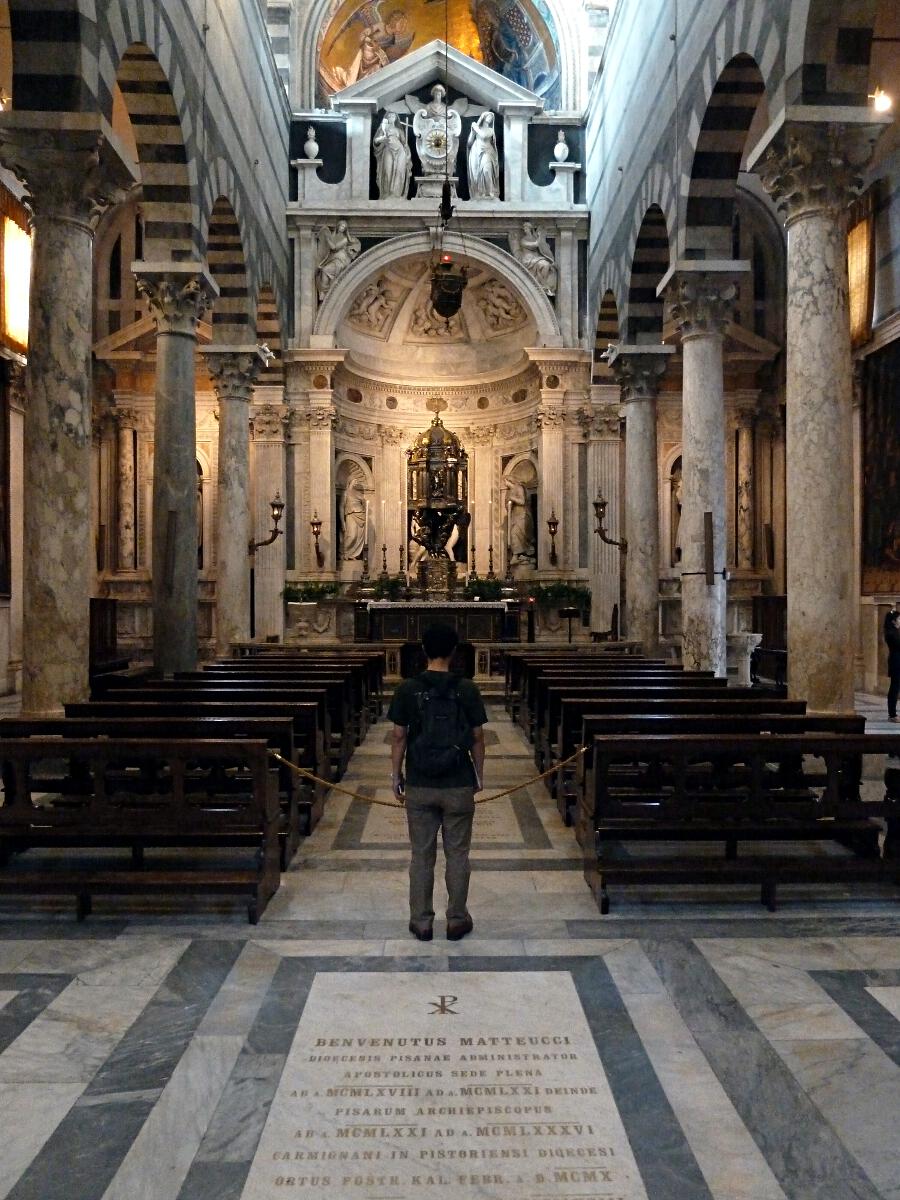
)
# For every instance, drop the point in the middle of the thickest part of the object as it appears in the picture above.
(443, 736)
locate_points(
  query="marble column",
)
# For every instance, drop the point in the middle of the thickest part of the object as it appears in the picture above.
(745, 485)
(72, 173)
(178, 294)
(638, 370)
(809, 162)
(270, 424)
(126, 546)
(233, 370)
(700, 297)
(323, 417)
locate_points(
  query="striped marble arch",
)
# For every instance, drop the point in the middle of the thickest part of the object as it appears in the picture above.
(170, 231)
(717, 159)
(232, 318)
(607, 332)
(644, 321)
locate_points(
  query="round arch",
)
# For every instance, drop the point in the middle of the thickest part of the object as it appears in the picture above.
(570, 57)
(233, 320)
(649, 262)
(337, 303)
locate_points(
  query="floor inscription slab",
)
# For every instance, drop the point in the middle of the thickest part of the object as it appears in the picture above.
(432, 1086)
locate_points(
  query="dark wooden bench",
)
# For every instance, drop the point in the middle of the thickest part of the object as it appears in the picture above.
(574, 790)
(300, 799)
(518, 662)
(304, 715)
(274, 655)
(104, 794)
(734, 789)
(329, 699)
(551, 688)
(523, 691)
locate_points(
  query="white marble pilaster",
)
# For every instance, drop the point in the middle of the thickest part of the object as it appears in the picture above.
(479, 441)
(809, 162)
(603, 430)
(391, 484)
(515, 116)
(126, 514)
(700, 296)
(551, 422)
(233, 370)
(178, 294)
(638, 370)
(269, 423)
(73, 170)
(16, 436)
(746, 527)
(567, 290)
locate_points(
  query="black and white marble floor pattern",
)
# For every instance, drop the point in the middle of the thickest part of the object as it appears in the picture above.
(690, 1047)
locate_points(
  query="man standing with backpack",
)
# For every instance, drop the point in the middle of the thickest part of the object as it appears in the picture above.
(438, 720)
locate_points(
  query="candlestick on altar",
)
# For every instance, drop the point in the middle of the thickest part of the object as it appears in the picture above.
(401, 561)
(490, 574)
(384, 570)
(474, 567)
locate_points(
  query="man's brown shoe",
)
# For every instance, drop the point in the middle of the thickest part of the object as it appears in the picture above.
(424, 935)
(458, 929)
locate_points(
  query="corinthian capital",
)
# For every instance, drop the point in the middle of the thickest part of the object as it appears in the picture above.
(811, 163)
(68, 163)
(700, 294)
(638, 369)
(234, 369)
(179, 293)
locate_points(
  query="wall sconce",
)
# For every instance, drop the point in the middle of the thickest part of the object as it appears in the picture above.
(277, 507)
(316, 527)
(600, 506)
(553, 528)
(881, 101)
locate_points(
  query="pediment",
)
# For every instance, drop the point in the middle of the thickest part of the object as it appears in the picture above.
(432, 63)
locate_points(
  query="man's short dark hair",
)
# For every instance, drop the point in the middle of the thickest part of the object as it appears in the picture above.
(439, 641)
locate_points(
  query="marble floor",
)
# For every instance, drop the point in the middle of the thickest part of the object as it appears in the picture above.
(686, 1047)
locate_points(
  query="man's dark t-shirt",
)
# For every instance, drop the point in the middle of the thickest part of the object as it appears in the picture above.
(404, 710)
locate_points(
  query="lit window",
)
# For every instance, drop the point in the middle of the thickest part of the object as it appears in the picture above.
(16, 281)
(859, 263)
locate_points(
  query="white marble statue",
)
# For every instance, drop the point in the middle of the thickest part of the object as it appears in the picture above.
(530, 247)
(484, 162)
(437, 129)
(393, 158)
(353, 520)
(522, 546)
(336, 251)
(416, 549)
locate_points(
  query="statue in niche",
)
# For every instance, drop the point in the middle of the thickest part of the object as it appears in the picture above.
(532, 250)
(336, 251)
(393, 158)
(484, 162)
(675, 512)
(353, 520)
(522, 546)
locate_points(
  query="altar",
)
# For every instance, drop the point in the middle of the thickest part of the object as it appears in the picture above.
(404, 621)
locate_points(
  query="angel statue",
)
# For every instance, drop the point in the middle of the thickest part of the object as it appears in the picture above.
(531, 249)
(484, 162)
(437, 128)
(393, 158)
(336, 251)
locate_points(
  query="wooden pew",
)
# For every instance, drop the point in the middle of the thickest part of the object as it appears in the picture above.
(140, 795)
(744, 801)
(265, 653)
(299, 798)
(550, 689)
(328, 697)
(575, 788)
(522, 697)
(518, 662)
(305, 718)
(584, 717)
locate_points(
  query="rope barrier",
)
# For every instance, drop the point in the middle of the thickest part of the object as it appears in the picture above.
(390, 804)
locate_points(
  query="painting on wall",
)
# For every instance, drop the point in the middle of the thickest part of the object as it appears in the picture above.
(515, 38)
(881, 473)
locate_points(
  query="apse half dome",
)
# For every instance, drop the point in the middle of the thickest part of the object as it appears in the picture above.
(515, 38)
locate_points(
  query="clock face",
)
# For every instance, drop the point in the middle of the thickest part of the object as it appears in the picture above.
(436, 141)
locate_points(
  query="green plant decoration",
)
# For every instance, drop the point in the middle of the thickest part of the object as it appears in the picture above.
(484, 589)
(305, 592)
(561, 594)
